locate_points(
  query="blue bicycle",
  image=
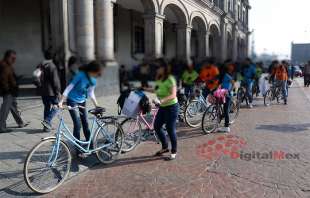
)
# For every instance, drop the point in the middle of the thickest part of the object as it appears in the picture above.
(195, 109)
(48, 163)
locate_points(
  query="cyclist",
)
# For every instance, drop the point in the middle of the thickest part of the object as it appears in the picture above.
(82, 85)
(248, 73)
(227, 83)
(166, 91)
(258, 75)
(281, 77)
(209, 74)
(188, 78)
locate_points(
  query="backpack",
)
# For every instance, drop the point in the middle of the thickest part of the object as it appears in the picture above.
(38, 74)
(121, 100)
(145, 105)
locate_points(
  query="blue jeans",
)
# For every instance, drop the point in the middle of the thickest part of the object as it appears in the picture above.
(168, 116)
(79, 116)
(283, 85)
(227, 106)
(189, 89)
(49, 112)
(249, 90)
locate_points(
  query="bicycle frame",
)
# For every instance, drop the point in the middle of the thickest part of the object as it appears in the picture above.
(64, 132)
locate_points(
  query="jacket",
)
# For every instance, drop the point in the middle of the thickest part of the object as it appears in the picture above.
(50, 83)
(8, 84)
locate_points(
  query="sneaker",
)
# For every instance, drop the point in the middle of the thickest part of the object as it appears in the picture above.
(224, 129)
(251, 106)
(46, 129)
(46, 125)
(23, 125)
(173, 156)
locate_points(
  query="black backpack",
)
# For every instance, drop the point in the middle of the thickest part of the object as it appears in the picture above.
(145, 105)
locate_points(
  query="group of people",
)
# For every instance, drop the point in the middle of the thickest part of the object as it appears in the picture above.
(82, 85)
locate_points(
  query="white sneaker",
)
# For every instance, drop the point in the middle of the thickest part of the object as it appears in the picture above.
(251, 106)
(224, 129)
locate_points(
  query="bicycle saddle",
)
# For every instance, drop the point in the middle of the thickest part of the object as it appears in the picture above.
(97, 111)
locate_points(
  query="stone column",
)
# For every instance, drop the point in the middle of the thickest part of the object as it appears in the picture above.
(235, 44)
(203, 44)
(223, 52)
(154, 28)
(84, 11)
(184, 42)
(104, 31)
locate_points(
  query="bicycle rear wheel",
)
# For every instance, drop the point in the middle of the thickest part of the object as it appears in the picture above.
(132, 134)
(210, 120)
(109, 138)
(42, 172)
(193, 113)
(234, 110)
(268, 98)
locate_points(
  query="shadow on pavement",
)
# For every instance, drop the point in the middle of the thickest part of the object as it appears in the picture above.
(19, 189)
(285, 128)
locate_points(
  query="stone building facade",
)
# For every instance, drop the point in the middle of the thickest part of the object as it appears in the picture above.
(123, 31)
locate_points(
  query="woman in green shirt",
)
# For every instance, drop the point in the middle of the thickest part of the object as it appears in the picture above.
(166, 91)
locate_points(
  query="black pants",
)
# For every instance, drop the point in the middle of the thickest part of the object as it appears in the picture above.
(227, 107)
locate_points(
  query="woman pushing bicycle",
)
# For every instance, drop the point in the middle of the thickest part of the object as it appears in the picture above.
(76, 94)
(166, 91)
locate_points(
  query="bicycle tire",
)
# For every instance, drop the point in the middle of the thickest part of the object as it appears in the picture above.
(109, 154)
(188, 114)
(235, 106)
(210, 114)
(137, 131)
(268, 98)
(29, 179)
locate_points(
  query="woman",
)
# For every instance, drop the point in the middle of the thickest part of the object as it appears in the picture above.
(76, 94)
(166, 91)
(227, 83)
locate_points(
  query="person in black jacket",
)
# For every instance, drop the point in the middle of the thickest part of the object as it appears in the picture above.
(8, 90)
(49, 89)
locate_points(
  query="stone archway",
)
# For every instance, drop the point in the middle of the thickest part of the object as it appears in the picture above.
(214, 42)
(198, 38)
(176, 32)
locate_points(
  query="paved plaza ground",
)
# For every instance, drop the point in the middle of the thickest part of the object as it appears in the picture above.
(218, 165)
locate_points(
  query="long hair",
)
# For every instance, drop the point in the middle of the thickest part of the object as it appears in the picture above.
(167, 71)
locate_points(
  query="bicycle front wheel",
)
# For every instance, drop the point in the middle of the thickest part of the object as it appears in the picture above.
(193, 113)
(45, 169)
(108, 142)
(132, 134)
(210, 120)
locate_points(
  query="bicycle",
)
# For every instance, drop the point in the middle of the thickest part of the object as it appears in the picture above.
(274, 93)
(133, 129)
(195, 109)
(213, 116)
(48, 163)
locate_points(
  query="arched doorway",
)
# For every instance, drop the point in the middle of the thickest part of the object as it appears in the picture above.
(176, 40)
(198, 38)
(214, 42)
(132, 44)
